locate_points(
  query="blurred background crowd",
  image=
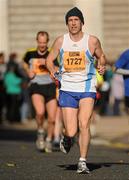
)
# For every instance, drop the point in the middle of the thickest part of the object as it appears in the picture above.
(20, 20)
(15, 102)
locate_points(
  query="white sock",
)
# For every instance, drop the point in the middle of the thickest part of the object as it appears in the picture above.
(57, 139)
(40, 130)
(82, 159)
(48, 139)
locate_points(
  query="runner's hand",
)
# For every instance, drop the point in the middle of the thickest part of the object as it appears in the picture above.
(101, 69)
(31, 74)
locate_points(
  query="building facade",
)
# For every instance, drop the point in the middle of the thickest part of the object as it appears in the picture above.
(20, 20)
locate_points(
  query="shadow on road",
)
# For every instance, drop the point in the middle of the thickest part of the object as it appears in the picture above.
(20, 135)
(73, 167)
(91, 166)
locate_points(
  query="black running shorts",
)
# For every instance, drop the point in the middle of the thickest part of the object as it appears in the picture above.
(48, 91)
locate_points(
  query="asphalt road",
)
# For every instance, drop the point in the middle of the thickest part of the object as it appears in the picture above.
(19, 160)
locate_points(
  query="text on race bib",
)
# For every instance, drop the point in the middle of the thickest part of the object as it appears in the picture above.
(74, 61)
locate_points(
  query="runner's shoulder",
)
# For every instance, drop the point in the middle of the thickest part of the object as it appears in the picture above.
(31, 50)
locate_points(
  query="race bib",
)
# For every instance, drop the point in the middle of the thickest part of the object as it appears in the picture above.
(38, 66)
(74, 61)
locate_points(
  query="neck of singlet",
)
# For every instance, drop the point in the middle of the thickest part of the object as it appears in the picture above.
(76, 38)
(42, 53)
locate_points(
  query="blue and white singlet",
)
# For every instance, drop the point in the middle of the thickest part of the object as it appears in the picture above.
(78, 73)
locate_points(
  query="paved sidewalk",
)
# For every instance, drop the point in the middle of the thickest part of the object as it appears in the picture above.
(29, 125)
(112, 127)
(110, 130)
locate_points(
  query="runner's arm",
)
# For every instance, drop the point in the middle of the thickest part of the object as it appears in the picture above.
(53, 55)
(121, 71)
(26, 67)
(99, 54)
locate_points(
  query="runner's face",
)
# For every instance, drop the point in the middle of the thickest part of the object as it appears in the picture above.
(74, 25)
(42, 43)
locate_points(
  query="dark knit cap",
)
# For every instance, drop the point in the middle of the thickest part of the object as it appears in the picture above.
(74, 12)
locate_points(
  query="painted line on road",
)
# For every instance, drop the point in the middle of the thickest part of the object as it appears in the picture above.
(99, 141)
(119, 145)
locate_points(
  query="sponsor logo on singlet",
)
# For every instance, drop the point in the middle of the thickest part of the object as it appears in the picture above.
(74, 61)
(38, 66)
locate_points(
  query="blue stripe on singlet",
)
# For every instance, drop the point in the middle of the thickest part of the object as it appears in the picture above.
(91, 70)
(61, 60)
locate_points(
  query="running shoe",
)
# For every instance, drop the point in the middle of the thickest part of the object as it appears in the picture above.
(65, 144)
(48, 146)
(56, 143)
(82, 168)
(40, 143)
